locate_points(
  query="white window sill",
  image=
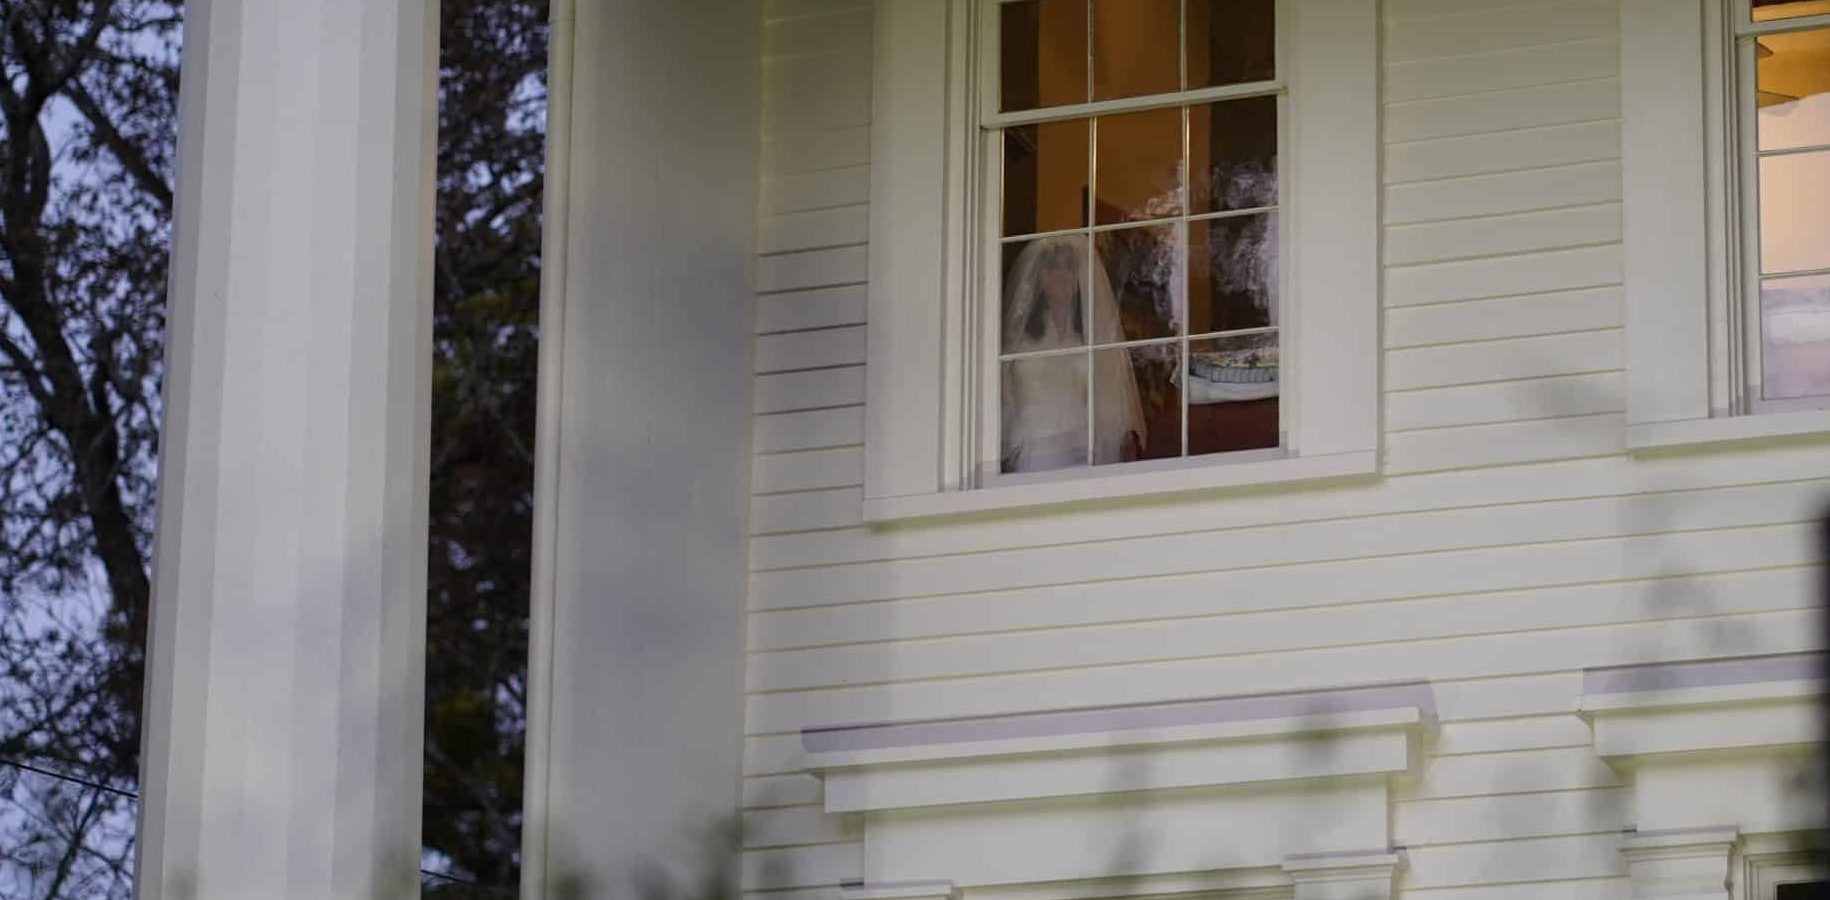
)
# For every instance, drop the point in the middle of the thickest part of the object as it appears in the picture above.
(1124, 485)
(1655, 436)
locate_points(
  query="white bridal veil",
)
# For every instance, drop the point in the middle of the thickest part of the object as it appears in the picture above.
(1043, 399)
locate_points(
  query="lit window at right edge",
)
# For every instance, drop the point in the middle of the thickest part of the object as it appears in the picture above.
(1792, 94)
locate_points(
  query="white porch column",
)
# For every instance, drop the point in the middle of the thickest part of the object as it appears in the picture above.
(1681, 864)
(1343, 877)
(286, 673)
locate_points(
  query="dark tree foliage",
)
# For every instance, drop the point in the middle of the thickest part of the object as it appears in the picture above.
(88, 111)
(491, 144)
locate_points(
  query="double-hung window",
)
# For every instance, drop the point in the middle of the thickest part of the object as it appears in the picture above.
(1132, 279)
(1726, 167)
(1119, 248)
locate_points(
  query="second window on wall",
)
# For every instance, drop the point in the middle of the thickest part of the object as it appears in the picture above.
(1134, 267)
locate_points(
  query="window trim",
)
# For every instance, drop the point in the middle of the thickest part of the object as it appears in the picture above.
(1688, 231)
(923, 345)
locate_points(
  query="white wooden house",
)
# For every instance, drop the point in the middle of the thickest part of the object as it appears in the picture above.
(1405, 487)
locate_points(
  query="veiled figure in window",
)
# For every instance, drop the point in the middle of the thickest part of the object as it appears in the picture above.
(1044, 398)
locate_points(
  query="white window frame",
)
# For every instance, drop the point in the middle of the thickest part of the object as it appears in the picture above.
(1690, 227)
(925, 332)
(1763, 873)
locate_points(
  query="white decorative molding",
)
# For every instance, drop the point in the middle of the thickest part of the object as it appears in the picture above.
(1349, 876)
(1298, 781)
(1636, 711)
(1689, 863)
(899, 890)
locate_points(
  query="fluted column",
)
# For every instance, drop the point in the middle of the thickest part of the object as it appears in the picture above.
(1680, 864)
(286, 673)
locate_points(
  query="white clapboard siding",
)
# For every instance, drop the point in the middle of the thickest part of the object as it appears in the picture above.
(788, 351)
(1501, 28)
(1264, 589)
(1557, 312)
(1505, 401)
(1501, 862)
(775, 472)
(1510, 109)
(1496, 153)
(838, 426)
(1509, 817)
(1512, 772)
(1498, 276)
(1397, 621)
(1497, 235)
(815, 229)
(1508, 543)
(818, 189)
(1489, 487)
(1502, 192)
(813, 389)
(818, 308)
(806, 510)
(1500, 70)
(1441, 365)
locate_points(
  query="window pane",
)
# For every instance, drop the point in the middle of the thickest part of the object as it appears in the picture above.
(1137, 404)
(1042, 53)
(1143, 267)
(1231, 41)
(1794, 88)
(1044, 413)
(1795, 337)
(1234, 149)
(1045, 176)
(1232, 273)
(1134, 47)
(1804, 890)
(1139, 170)
(1044, 287)
(1795, 212)
(1232, 393)
(1765, 10)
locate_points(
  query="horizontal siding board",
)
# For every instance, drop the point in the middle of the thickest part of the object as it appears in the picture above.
(775, 472)
(1505, 401)
(790, 867)
(838, 426)
(773, 754)
(770, 791)
(1504, 110)
(798, 825)
(845, 27)
(1610, 888)
(820, 189)
(814, 389)
(1473, 657)
(810, 269)
(819, 308)
(1506, 735)
(1491, 154)
(1398, 621)
(1528, 315)
(788, 351)
(1500, 193)
(1502, 70)
(775, 10)
(1509, 817)
(1526, 273)
(1398, 11)
(814, 229)
(1532, 357)
(800, 153)
(1486, 30)
(1476, 446)
(1497, 235)
(1288, 544)
(1419, 493)
(1536, 695)
(1265, 589)
(1519, 771)
(806, 510)
(1537, 859)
